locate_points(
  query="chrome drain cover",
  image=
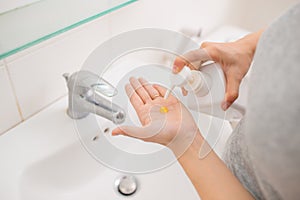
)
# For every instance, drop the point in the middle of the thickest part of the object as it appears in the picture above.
(126, 185)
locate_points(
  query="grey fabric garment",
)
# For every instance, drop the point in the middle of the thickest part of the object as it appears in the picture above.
(264, 150)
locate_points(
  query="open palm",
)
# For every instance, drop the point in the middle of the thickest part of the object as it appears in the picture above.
(159, 127)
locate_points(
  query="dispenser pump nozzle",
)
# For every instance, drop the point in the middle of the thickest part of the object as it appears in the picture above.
(181, 79)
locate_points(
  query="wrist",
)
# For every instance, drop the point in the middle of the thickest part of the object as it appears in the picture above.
(189, 146)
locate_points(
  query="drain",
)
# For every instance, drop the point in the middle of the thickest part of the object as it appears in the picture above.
(126, 185)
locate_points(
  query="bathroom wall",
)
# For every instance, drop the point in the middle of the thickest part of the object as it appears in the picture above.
(12, 4)
(256, 14)
(32, 79)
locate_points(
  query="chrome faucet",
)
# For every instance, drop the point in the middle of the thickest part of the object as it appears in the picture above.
(87, 93)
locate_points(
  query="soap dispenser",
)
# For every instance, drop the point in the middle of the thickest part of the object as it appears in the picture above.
(206, 90)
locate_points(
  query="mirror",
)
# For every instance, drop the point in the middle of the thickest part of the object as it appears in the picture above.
(39, 20)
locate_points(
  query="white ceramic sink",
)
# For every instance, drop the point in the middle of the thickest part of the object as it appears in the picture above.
(43, 159)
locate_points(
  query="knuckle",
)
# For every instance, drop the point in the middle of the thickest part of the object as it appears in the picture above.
(213, 51)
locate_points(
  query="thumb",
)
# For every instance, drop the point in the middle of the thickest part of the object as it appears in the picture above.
(137, 132)
(131, 131)
(231, 92)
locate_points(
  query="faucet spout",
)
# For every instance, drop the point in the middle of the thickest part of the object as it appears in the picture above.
(88, 94)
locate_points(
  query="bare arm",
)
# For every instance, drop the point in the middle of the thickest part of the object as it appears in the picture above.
(210, 176)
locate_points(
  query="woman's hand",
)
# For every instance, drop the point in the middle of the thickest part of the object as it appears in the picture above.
(234, 57)
(175, 128)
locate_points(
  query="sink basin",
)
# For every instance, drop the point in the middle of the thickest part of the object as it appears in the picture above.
(45, 158)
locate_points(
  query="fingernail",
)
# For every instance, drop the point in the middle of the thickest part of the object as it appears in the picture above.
(114, 134)
(225, 105)
(175, 69)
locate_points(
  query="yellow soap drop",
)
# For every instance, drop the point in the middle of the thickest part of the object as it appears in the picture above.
(163, 109)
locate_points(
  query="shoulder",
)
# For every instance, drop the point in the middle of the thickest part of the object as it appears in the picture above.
(273, 112)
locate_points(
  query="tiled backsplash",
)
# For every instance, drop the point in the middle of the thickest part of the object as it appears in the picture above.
(32, 79)
(41, 70)
(9, 115)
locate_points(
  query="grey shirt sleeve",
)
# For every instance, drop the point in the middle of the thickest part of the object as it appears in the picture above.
(264, 152)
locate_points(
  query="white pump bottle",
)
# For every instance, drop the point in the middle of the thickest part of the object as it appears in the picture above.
(206, 90)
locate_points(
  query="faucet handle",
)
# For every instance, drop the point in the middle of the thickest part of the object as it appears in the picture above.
(89, 81)
(104, 88)
(66, 76)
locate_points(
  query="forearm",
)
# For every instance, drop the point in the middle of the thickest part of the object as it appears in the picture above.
(209, 175)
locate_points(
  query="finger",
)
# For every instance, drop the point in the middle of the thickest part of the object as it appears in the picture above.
(232, 91)
(135, 100)
(206, 44)
(162, 91)
(196, 57)
(179, 63)
(149, 88)
(184, 91)
(193, 59)
(140, 90)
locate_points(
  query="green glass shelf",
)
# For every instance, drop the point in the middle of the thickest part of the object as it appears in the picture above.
(27, 26)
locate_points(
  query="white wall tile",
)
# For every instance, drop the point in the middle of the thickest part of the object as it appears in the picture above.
(37, 76)
(10, 5)
(9, 115)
